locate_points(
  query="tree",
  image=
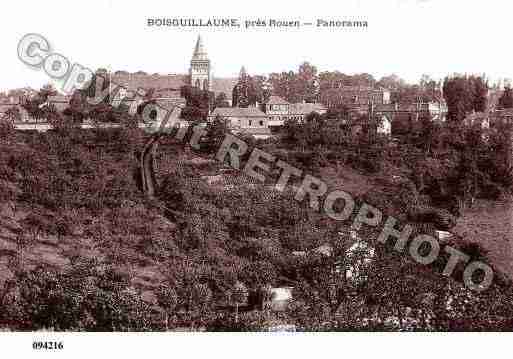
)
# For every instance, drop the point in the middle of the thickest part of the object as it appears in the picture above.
(216, 131)
(506, 99)
(168, 300)
(283, 85)
(99, 82)
(307, 85)
(463, 95)
(221, 100)
(12, 114)
(244, 92)
(197, 103)
(37, 106)
(7, 130)
(479, 89)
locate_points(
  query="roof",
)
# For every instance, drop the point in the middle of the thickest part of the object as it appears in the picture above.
(199, 54)
(167, 84)
(276, 100)
(306, 108)
(6, 106)
(508, 112)
(166, 93)
(170, 103)
(135, 81)
(256, 131)
(12, 100)
(238, 112)
(59, 98)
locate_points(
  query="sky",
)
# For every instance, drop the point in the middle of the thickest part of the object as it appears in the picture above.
(404, 37)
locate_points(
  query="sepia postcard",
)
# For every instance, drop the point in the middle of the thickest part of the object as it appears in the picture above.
(275, 171)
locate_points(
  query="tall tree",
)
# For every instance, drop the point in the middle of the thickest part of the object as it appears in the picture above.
(197, 103)
(479, 89)
(307, 84)
(463, 95)
(391, 82)
(221, 100)
(244, 93)
(506, 99)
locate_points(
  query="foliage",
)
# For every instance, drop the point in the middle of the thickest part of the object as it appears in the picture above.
(198, 103)
(463, 95)
(506, 99)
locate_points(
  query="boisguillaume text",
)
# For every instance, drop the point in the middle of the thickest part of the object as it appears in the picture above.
(193, 22)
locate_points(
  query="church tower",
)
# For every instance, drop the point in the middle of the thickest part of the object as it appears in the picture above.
(200, 67)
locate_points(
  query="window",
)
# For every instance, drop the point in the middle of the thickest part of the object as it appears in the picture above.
(250, 123)
(261, 123)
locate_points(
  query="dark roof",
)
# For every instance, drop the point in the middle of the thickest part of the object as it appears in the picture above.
(170, 83)
(508, 112)
(306, 108)
(9, 100)
(59, 98)
(255, 131)
(170, 103)
(135, 81)
(238, 112)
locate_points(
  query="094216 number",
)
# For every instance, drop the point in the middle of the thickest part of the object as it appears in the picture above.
(47, 345)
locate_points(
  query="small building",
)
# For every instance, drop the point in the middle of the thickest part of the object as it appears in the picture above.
(355, 95)
(299, 111)
(11, 109)
(280, 298)
(248, 120)
(60, 102)
(277, 111)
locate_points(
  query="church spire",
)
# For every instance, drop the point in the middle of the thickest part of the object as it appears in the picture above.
(243, 72)
(199, 50)
(200, 67)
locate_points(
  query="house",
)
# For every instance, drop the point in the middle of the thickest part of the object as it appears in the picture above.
(60, 102)
(299, 111)
(280, 298)
(244, 120)
(9, 106)
(278, 111)
(355, 95)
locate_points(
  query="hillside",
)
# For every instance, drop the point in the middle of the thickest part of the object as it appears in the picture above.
(83, 249)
